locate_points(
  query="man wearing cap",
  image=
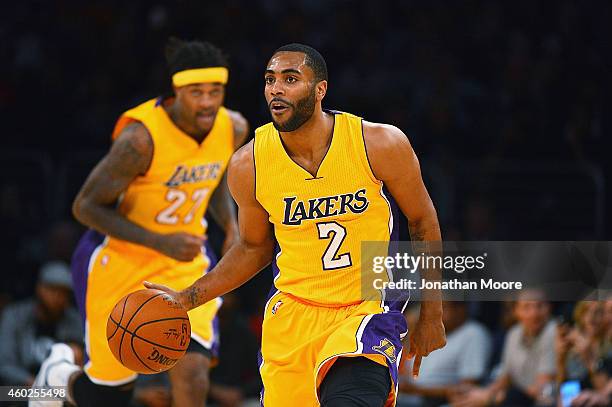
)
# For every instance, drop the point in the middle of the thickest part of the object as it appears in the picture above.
(29, 328)
(145, 204)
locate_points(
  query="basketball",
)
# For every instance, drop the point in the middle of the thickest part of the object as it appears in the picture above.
(148, 331)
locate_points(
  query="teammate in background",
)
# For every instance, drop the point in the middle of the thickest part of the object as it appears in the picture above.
(313, 179)
(145, 203)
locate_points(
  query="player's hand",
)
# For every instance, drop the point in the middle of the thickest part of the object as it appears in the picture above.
(427, 336)
(590, 398)
(174, 294)
(180, 246)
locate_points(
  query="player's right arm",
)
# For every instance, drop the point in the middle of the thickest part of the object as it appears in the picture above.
(255, 246)
(94, 206)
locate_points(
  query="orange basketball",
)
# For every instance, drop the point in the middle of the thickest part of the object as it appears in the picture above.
(148, 331)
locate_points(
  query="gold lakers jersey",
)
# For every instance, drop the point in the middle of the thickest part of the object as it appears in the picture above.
(174, 193)
(320, 222)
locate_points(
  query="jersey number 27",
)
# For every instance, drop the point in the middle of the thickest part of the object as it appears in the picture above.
(177, 197)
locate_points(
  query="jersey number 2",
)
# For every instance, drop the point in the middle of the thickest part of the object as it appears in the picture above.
(331, 259)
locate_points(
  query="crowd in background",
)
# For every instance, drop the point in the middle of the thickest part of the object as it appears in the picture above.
(534, 356)
(476, 85)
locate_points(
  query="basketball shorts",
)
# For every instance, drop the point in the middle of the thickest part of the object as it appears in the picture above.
(301, 341)
(102, 275)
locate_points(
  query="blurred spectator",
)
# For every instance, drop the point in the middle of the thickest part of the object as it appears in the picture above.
(528, 360)
(30, 327)
(506, 319)
(582, 347)
(463, 361)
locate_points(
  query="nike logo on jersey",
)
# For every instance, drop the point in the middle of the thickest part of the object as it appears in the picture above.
(183, 174)
(324, 207)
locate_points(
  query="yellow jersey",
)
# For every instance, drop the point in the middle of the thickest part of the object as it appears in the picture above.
(321, 221)
(172, 196)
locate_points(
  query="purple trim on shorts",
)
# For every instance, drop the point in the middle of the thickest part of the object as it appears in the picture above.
(79, 267)
(263, 390)
(275, 271)
(397, 298)
(383, 332)
(212, 257)
(214, 349)
(395, 235)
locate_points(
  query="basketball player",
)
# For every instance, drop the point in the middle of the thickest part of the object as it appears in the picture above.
(313, 179)
(145, 202)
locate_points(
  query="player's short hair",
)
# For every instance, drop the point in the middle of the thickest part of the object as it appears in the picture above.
(182, 55)
(314, 59)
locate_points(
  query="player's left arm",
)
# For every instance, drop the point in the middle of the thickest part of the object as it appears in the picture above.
(222, 207)
(394, 162)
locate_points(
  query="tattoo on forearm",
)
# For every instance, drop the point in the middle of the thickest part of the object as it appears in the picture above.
(193, 295)
(425, 239)
(417, 233)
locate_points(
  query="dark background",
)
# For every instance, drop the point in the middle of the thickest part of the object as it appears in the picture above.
(505, 103)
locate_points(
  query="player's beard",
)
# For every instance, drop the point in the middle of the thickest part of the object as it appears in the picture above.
(303, 110)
